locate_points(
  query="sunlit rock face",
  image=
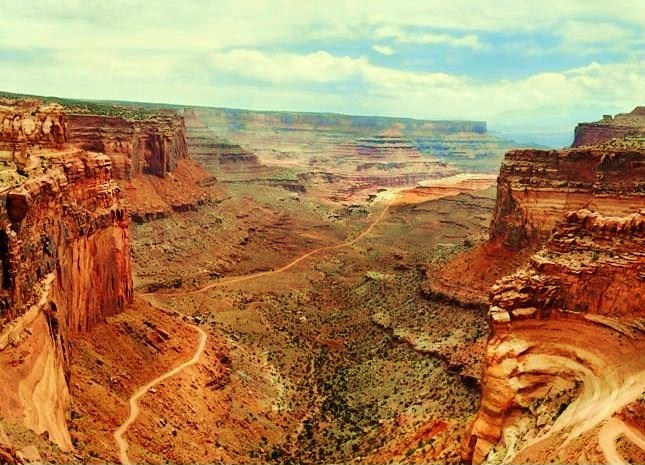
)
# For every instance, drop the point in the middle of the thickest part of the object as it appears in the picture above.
(620, 126)
(64, 249)
(537, 187)
(567, 329)
(567, 335)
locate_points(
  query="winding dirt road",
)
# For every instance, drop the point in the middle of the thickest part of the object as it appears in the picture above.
(291, 264)
(609, 374)
(134, 400)
(134, 405)
(607, 439)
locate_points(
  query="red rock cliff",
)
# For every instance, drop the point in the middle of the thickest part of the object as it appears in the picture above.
(537, 187)
(611, 127)
(64, 251)
(567, 343)
(150, 146)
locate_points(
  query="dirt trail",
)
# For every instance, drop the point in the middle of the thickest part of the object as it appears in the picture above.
(134, 405)
(378, 219)
(607, 439)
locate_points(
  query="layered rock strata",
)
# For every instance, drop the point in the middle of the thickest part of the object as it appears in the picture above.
(65, 262)
(27, 124)
(566, 328)
(567, 338)
(298, 138)
(150, 146)
(537, 187)
(620, 126)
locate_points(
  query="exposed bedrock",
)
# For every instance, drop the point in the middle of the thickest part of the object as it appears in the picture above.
(537, 187)
(567, 338)
(149, 146)
(620, 126)
(65, 266)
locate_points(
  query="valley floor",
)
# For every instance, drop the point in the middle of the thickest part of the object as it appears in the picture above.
(339, 357)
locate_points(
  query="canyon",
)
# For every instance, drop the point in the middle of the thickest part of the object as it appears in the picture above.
(337, 157)
(200, 285)
(563, 358)
(65, 261)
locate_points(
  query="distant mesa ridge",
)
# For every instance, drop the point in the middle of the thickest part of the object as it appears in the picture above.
(620, 126)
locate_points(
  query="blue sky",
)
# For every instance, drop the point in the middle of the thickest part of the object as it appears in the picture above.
(538, 65)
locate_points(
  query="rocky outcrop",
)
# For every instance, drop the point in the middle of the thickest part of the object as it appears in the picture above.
(63, 222)
(26, 124)
(65, 263)
(567, 335)
(620, 126)
(566, 328)
(537, 187)
(149, 146)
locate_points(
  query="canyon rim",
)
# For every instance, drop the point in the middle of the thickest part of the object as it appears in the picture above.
(278, 232)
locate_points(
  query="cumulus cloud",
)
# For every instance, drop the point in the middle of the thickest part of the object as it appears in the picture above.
(585, 37)
(320, 67)
(432, 94)
(285, 54)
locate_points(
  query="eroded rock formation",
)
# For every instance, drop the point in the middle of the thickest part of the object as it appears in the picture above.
(64, 249)
(567, 329)
(620, 126)
(64, 234)
(150, 146)
(537, 187)
(567, 338)
(65, 266)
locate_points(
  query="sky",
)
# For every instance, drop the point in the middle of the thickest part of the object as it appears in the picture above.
(538, 65)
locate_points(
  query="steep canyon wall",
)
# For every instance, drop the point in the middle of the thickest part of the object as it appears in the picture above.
(64, 250)
(537, 187)
(567, 329)
(150, 146)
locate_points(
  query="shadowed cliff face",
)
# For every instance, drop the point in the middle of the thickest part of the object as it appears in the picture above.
(64, 249)
(151, 146)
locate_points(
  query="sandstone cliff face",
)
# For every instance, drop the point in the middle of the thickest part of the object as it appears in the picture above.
(567, 328)
(27, 124)
(617, 127)
(567, 338)
(151, 146)
(67, 220)
(65, 263)
(537, 187)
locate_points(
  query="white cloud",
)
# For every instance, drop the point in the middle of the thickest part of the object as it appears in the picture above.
(580, 32)
(437, 95)
(318, 67)
(469, 40)
(237, 53)
(321, 67)
(586, 37)
(383, 49)
(225, 24)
